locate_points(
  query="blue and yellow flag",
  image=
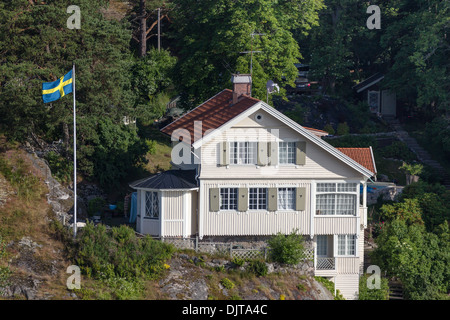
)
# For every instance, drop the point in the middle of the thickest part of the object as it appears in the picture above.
(52, 91)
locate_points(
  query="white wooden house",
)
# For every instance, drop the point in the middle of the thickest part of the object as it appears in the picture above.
(248, 170)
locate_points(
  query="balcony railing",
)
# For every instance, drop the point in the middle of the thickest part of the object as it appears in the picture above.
(326, 263)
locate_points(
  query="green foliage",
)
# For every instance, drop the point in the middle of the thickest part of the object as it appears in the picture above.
(117, 149)
(118, 253)
(5, 272)
(398, 150)
(412, 168)
(258, 268)
(19, 175)
(329, 128)
(210, 48)
(287, 248)
(437, 134)
(350, 141)
(61, 168)
(373, 294)
(343, 129)
(418, 258)
(227, 283)
(95, 206)
(238, 261)
(151, 145)
(409, 211)
(330, 286)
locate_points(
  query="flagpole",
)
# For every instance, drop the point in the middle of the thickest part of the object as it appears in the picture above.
(74, 158)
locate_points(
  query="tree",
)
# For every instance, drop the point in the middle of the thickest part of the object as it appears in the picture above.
(36, 47)
(416, 42)
(212, 35)
(419, 258)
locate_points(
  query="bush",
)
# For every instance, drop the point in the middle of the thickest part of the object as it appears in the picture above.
(118, 253)
(287, 248)
(330, 286)
(61, 168)
(95, 206)
(258, 267)
(343, 129)
(329, 128)
(398, 150)
(227, 283)
(373, 294)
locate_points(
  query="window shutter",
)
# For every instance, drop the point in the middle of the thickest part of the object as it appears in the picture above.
(273, 199)
(223, 153)
(262, 154)
(300, 157)
(214, 199)
(242, 199)
(273, 153)
(300, 199)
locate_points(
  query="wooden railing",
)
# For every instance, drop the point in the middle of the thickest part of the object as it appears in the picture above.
(325, 263)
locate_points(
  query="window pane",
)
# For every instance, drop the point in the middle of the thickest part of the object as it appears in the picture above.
(326, 187)
(321, 245)
(346, 204)
(341, 245)
(286, 152)
(351, 246)
(151, 204)
(258, 198)
(286, 198)
(346, 187)
(228, 198)
(325, 204)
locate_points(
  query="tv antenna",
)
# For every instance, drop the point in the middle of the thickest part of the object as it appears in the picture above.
(253, 34)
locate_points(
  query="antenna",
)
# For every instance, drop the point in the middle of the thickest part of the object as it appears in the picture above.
(253, 34)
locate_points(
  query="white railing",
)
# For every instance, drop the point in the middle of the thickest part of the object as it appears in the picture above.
(325, 263)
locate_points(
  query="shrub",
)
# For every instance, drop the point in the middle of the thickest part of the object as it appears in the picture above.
(227, 283)
(343, 129)
(287, 248)
(329, 128)
(258, 267)
(330, 286)
(373, 294)
(61, 168)
(238, 261)
(118, 253)
(95, 206)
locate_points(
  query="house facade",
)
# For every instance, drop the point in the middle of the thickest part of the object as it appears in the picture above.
(242, 168)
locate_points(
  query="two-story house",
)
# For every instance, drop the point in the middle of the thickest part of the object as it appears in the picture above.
(242, 168)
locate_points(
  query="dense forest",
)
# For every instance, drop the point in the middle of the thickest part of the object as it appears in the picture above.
(124, 69)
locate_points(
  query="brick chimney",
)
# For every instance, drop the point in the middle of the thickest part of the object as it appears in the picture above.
(242, 85)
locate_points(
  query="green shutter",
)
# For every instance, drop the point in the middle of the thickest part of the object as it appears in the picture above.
(300, 199)
(242, 199)
(273, 199)
(273, 153)
(214, 199)
(223, 153)
(262, 154)
(301, 153)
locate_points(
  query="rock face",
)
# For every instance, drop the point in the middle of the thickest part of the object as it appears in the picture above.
(193, 277)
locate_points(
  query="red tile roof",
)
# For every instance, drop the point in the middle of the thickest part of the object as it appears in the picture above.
(363, 156)
(213, 113)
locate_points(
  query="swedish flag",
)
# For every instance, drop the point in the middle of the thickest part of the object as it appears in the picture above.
(52, 91)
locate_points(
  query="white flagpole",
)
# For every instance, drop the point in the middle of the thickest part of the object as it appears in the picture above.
(74, 158)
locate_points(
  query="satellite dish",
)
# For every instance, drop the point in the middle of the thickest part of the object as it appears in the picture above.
(271, 86)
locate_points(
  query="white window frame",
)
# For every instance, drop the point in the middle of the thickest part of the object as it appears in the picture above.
(290, 151)
(152, 205)
(334, 193)
(348, 239)
(287, 196)
(243, 152)
(231, 193)
(257, 196)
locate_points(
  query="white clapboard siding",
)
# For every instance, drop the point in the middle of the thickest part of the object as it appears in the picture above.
(335, 225)
(348, 285)
(319, 163)
(224, 223)
(348, 265)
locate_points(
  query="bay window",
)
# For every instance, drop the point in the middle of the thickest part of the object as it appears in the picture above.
(336, 198)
